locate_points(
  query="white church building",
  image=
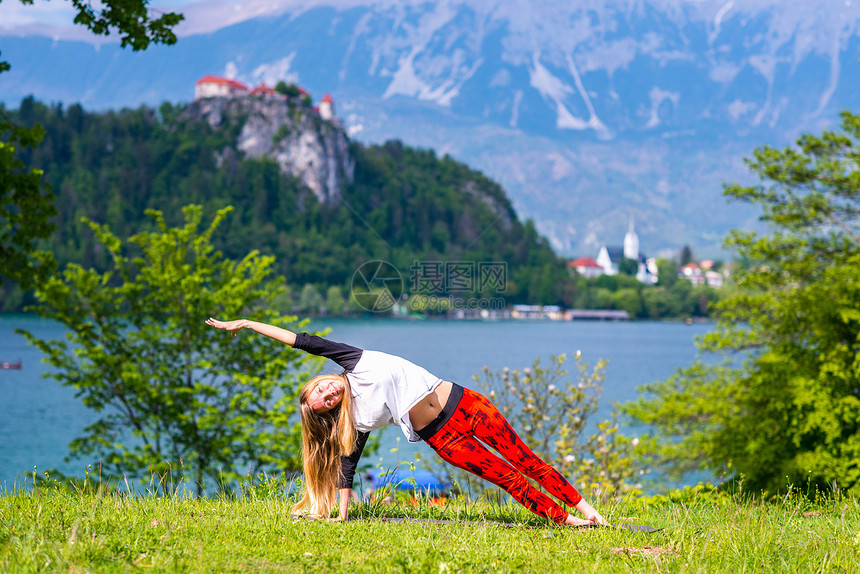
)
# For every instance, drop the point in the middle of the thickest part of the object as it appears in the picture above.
(609, 258)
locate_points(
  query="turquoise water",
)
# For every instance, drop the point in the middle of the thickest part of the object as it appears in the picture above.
(39, 417)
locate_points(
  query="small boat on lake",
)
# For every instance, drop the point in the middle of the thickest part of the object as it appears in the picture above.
(10, 365)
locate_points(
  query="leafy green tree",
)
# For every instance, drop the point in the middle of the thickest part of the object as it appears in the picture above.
(603, 298)
(785, 404)
(681, 299)
(310, 300)
(290, 89)
(25, 207)
(335, 304)
(283, 301)
(131, 19)
(173, 394)
(655, 301)
(667, 272)
(629, 300)
(628, 266)
(704, 298)
(686, 255)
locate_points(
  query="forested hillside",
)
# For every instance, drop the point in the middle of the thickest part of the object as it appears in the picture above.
(402, 205)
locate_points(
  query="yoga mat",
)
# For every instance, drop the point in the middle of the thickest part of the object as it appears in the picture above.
(632, 527)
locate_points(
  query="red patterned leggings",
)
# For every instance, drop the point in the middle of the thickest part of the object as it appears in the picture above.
(477, 418)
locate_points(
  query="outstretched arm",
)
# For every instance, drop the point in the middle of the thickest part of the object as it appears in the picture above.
(276, 333)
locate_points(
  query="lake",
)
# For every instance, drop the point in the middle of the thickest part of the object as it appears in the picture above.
(39, 417)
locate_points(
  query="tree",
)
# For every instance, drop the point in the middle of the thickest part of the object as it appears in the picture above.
(334, 302)
(686, 255)
(310, 300)
(788, 406)
(290, 89)
(655, 302)
(174, 394)
(628, 266)
(25, 207)
(25, 211)
(132, 19)
(667, 272)
(628, 299)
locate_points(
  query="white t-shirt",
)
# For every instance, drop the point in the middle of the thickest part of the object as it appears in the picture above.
(384, 387)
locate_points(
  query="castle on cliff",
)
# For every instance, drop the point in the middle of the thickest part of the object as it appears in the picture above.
(217, 86)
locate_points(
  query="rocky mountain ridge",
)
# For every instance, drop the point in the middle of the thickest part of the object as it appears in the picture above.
(585, 111)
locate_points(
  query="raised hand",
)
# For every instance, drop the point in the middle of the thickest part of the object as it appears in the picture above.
(232, 326)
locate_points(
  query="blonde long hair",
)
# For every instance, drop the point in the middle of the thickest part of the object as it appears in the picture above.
(325, 438)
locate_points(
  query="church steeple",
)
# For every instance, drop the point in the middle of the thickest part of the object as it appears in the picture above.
(631, 242)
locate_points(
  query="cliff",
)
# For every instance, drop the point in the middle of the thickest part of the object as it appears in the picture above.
(304, 145)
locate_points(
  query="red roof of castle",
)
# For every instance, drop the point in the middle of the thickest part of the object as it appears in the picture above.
(327, 99)
(220, 80)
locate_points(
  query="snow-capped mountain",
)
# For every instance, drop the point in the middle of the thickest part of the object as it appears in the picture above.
(586, 111)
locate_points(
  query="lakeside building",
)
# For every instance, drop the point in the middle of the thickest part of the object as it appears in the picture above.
(537, 313)
(481, 314)
(596, 315)
(551, 312)
(586, 267)
(701, 274)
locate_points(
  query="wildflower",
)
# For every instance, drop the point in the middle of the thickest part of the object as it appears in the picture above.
(635, 442)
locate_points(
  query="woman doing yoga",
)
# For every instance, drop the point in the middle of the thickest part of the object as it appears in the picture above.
(338, 412)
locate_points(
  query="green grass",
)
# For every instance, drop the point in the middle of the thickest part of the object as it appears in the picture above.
(62, 529)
